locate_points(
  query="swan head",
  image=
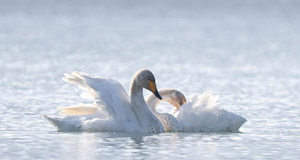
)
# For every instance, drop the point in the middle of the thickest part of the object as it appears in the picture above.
(173, 96)
(178, 98)
(146, 79)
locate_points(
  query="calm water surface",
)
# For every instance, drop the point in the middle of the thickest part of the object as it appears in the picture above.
(247, 52)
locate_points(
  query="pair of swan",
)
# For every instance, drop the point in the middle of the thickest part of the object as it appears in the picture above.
(114, 111)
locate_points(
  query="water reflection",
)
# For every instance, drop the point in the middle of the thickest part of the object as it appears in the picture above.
(136, 145)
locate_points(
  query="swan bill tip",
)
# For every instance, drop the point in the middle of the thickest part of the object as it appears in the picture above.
(156, 93)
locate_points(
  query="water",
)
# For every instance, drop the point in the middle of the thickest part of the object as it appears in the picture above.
(247, 52)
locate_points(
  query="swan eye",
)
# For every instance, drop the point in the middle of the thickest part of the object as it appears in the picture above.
(150, 80)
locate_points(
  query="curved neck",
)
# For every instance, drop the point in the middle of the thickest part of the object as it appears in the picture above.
(152, 101)
(138, 103)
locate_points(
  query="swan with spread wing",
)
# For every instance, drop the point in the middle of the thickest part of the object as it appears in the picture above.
(113, 110)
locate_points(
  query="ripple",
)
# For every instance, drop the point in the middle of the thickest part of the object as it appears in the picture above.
(228, 47)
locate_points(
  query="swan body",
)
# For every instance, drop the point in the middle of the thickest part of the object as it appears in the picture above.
(203, 114)
(113, 110)
(200, 114)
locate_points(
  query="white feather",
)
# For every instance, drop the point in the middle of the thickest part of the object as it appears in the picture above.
(202, 114)
(111, 111)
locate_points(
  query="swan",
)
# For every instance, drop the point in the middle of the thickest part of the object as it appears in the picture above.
(200, 114)
(114, 110)
(172, 96)
(176, 99)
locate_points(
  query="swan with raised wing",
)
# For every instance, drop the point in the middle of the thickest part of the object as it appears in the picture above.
(172, 96)
(115, 111)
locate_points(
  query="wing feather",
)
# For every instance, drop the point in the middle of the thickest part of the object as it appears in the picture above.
(81, 109)
(105, 91)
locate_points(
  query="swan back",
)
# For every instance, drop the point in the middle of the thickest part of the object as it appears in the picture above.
(202, 114)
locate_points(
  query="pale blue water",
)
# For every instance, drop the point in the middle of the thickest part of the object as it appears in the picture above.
(245, 51)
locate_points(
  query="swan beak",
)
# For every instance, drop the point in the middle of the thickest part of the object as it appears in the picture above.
(152, 88)
(157, 95)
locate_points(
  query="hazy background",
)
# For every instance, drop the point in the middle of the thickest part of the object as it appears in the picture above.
(245, 51)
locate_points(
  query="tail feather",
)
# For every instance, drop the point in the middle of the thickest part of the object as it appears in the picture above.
(62, 124)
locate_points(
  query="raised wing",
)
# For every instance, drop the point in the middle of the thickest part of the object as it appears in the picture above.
(106, 92)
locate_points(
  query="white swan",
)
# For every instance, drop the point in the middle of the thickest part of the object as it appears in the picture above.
(114, 110)
(176, 99)
(169, 122)
(200, 114)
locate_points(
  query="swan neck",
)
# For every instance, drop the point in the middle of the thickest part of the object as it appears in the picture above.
(136, 92)
(138, 103)
(152, 101)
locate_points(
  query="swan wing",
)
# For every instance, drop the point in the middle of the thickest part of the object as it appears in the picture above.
(106, 92)
(80, 109)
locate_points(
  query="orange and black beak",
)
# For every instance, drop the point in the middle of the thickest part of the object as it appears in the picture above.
(153, 89)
